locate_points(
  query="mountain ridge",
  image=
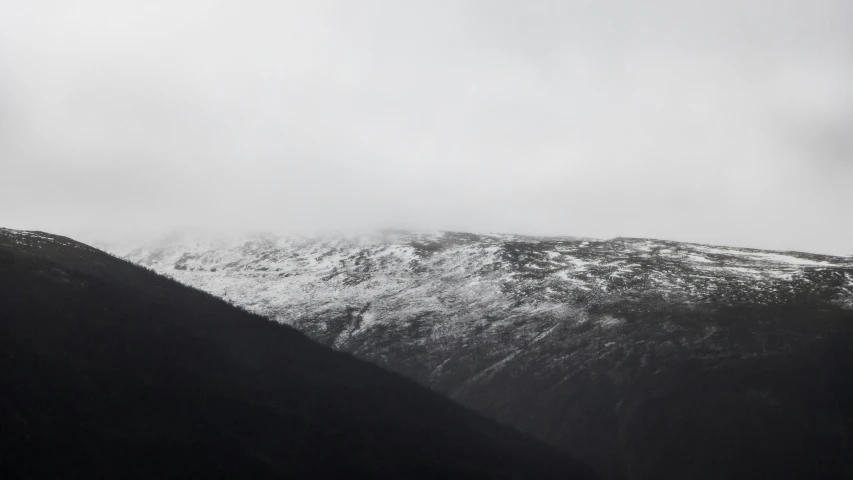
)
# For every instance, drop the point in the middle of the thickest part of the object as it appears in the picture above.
(565, 339)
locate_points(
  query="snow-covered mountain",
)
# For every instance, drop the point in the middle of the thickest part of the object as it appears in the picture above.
(592, 345)
(393, 277)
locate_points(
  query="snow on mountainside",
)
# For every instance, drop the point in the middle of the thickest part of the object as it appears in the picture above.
(394, 277)
(605, 348)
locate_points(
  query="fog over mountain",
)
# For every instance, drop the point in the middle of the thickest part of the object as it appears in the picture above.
(406, 239)
(725, 122)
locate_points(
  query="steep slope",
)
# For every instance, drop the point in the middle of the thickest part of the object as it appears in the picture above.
(108, 370)
(644, 358)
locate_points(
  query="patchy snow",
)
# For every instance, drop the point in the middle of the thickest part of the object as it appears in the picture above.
(698, 258)
(40, 239)
(772, 257)
(779, 258)
(607, 321)
(464, 278)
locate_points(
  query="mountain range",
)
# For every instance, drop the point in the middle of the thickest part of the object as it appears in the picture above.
(642, 358)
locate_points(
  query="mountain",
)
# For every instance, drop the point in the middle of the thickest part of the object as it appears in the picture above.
(644, 358)
(108, 370)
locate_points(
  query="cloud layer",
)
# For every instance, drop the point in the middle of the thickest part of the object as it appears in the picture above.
(719, 122)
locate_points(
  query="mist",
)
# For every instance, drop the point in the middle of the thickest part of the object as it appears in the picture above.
(727, 122)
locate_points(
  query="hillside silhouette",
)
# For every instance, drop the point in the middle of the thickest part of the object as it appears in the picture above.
(108, 370)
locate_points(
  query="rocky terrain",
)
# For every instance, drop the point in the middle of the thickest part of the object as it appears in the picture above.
(644, 358)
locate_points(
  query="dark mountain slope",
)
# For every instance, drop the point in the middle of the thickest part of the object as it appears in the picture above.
(111, 371)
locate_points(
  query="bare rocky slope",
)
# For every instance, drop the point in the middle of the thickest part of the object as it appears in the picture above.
(644, 358)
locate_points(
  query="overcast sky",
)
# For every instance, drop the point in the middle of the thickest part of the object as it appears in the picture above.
(716, 121)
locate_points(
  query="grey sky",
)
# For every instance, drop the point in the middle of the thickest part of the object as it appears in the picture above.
(724, 122)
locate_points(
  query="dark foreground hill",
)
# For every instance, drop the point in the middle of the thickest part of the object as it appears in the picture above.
(646, 359)
(108, 370)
